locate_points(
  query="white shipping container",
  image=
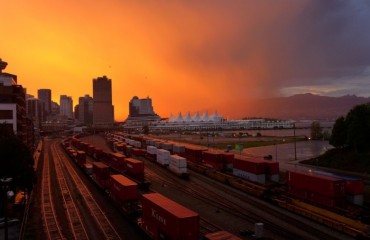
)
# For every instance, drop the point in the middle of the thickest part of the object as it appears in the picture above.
(157, 144)
(178, 161)
(178, 170)
(151, 149)
(259, 178)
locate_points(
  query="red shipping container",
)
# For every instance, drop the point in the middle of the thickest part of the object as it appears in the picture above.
(134, 166)
(90, 150)
(218, 166)
(254, 166)
(81, 158)
(98, 153)
(227, 158)
(354, 187)
(164, 218)
(325, 185)
(212, 156)
(122, 188)
(272, 167)
(101, 170)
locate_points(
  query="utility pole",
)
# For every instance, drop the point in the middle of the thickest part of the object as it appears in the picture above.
(295, 143)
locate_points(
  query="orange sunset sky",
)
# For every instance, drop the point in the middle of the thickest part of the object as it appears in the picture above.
(188, 55)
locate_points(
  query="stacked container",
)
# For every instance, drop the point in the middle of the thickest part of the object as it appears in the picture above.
(123, 189)
(323, 190)
(178, 165)
(101, 174)
(355, 191)
(134, 168)
(163, 157)
(272, 170)
(213, 160)
(80, 158)
(165, 219)
(250, 169)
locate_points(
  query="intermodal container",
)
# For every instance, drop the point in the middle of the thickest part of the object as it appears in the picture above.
(354, 187)
(212, 157)
(81, 158)
(165, 219)
(134, 167)
(151, 150)
(178, 161)
(163, 156)
(101, 170)
(324, 185)
(122, 188)
(251, 165)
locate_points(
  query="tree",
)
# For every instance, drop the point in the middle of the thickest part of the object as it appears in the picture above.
(16, 161)
(339, 133)
(316, 131)
(358, 128)
(353, 130)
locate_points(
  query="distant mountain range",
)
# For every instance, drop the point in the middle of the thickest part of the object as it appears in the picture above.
(305, 106)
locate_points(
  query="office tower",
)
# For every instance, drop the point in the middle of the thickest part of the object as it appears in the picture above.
(44, 95)
(35, 110)
(103, 110)
(85, 109)
(66, 106)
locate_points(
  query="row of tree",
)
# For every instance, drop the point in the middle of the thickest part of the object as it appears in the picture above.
(353, 131)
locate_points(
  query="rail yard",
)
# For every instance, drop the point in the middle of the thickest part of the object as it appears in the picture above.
(214, 202)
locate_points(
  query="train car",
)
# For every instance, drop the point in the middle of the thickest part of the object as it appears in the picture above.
(80, 158)
(213, 160)
(323, 190)
(250, 169)
(163, 157)
(178, 165)
(101, 174)
(134, 168)
(117, 161)
(124, 192)
(163, 218)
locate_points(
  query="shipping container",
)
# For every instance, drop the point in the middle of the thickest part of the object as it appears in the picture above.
(165, 219)
(80, 158)
(178, 170)
(88, 168)
(178, 149)
(122, 188)
(101, 170)
(178, 161)
(134, 168)
(251, 165)
(151, 150)
(163, 157)
(324, 185)
(258, 178)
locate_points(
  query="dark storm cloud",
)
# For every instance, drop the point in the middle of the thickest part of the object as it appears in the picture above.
(286, 43)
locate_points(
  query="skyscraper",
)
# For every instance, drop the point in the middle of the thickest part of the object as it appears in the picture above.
(103, 110)
(44, 95)
(85, 109)
(66, 106)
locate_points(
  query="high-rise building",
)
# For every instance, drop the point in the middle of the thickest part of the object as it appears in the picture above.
(13, 107)
(66, 106)
(141, 112)
(44, 95)
(85, 109)
(35, 110)
(103, 110)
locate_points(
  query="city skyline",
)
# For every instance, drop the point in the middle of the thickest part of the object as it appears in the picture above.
(189, 56)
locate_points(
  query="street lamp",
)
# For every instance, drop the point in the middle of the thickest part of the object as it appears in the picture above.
(7, 194)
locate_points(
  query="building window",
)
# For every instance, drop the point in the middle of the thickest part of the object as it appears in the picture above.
(6, 114)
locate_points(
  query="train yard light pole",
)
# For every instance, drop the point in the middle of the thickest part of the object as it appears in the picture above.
(7, 193)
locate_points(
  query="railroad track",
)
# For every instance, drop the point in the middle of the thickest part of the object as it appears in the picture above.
(221, 202)
(96, 212)
(50, 221)
(74, 218)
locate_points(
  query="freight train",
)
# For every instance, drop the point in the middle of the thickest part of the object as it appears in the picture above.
(156, 215)
(323, 198)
